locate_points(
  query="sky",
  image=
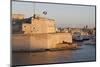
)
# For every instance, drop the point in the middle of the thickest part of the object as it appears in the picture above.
(64, 15)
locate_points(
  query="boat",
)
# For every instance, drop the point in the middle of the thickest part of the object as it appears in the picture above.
(91, 41)
(77, 36)
(86, 37)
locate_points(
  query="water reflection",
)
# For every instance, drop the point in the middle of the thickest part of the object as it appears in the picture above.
(87, 53)
(41, 57)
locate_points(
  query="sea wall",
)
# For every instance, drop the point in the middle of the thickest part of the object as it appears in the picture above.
(20, 42)
(39, 41)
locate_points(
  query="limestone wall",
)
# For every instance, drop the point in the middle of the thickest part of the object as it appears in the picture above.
(39, 25)
(54, 39)
(20, 42)
(26, 28)
(39, 41)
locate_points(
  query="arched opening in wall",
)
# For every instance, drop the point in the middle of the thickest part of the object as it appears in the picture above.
(24, 26)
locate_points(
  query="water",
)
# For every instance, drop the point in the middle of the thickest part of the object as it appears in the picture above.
(86, 53)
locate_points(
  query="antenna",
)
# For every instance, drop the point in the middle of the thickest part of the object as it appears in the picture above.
(34, 10)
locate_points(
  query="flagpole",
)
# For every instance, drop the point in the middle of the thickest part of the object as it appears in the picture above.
(34, 11)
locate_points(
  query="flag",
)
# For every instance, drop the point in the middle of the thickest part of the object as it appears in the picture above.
(44, 12)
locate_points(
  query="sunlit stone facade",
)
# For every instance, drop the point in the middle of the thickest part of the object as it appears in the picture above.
(43, 35)
(39, 25)
(39, 41)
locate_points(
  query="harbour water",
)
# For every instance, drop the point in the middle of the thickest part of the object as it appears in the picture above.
(86, 53)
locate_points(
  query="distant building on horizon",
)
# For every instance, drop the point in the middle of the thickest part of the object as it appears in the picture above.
(17, 16)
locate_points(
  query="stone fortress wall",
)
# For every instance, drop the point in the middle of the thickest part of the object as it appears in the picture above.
(39, 34)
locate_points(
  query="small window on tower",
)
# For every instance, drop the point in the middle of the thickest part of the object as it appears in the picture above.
(33, 27)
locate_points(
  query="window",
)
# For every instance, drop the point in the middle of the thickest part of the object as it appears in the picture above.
(24, 26)
(33, 27)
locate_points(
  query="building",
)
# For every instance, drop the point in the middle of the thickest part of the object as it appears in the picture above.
(44, 36)
(17, 20)
(39, 25)
(17, 16)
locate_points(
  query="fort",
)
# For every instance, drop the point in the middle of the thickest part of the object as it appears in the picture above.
(41, 34)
